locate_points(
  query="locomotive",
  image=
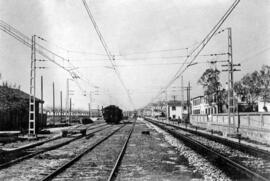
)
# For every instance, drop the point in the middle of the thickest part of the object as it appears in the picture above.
(112, 114)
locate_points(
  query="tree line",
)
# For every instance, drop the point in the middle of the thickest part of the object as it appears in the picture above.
(250, 89)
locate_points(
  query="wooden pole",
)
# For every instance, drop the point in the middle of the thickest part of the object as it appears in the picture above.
(61, 106)
(41, 95)
(53, 104)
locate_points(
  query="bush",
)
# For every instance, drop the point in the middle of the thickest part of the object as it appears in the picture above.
(86, 121)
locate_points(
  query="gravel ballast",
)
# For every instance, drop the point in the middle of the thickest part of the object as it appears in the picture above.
(200, 164)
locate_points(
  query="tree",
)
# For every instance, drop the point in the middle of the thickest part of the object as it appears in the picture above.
(240, 90)
(254, 85)
(248, 88)
(210, 81)
(265, 84)
(212, 86)
(222, 97)
(251, 83)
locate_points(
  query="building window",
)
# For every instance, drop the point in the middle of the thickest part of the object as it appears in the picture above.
(173, 108)
(197, 111)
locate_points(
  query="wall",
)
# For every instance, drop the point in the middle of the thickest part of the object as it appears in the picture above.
(177, 112)
(255, 126)
(261, 105)
(18, 119)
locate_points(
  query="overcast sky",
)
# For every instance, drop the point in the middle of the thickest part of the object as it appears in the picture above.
(133, 31)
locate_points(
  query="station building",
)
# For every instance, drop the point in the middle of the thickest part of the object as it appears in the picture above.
(200, 105)
(14, 110)
(176, 110)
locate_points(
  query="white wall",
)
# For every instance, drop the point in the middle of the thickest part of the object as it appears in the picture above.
(260, 106)
(178, 112)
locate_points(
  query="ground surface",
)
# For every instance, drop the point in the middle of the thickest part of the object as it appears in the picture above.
(150, 157)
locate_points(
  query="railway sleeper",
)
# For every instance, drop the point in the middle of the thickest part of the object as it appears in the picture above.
(66, 133)
(236, 145)
(217, 159)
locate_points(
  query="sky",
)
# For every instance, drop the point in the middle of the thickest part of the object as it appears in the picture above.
(148, 38)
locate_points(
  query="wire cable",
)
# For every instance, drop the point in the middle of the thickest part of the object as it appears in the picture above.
(43, 51)
(254, 55)
(194, 54)
(110, 56)
(153, 51)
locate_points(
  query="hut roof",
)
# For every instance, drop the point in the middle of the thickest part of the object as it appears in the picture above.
(13, 98)
(176, 103)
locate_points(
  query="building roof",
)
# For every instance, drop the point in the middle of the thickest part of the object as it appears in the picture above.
(175, 103)
(13, 98)
(196, 97)
(4, 90)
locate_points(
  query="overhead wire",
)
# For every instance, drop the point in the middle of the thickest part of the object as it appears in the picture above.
(197, 50)
(150, 58)
(150, 64)
(43, 51)
(152, 51)
(244, 60)
(75, 51)
(110, 56)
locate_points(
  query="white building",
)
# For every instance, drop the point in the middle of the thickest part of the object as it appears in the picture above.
(176, 110)
(200, 105)
(147, 112)
(261, 106)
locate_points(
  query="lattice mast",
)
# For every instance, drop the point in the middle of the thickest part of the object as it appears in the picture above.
(230, 78)
(67, 101)
(230, 68)
(32, 95)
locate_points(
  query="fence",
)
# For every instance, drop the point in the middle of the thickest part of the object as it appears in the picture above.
(255, 126)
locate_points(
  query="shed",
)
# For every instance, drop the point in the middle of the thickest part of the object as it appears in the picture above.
(176, 109)
(14, 110)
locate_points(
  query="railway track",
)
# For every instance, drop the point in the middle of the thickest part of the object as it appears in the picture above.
(28, 146)
(41, 165)
(114, 171)
(14, 157)
(236, 145)
(83, 164)
(233, 165)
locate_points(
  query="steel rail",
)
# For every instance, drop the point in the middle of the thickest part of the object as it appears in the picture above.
(120, 156)
(203, 149)
(17, 160)
(71, 162)
(236, 145)
(43, 142)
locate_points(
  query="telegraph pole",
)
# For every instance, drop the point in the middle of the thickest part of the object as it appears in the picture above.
(166, 96)
(70, 104)
(67, 100)
(230, 69)
(188, 101)
(90, 99)
(41, 95)
(53, 105)
(174, 98)
(98, 110)
(61, 106)
(89, 107)
(182, 90)
(32, 96)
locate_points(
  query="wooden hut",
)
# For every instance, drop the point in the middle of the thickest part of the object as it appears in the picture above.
(14, 110)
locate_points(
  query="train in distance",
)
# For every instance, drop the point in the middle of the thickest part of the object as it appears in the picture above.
(112, 114)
